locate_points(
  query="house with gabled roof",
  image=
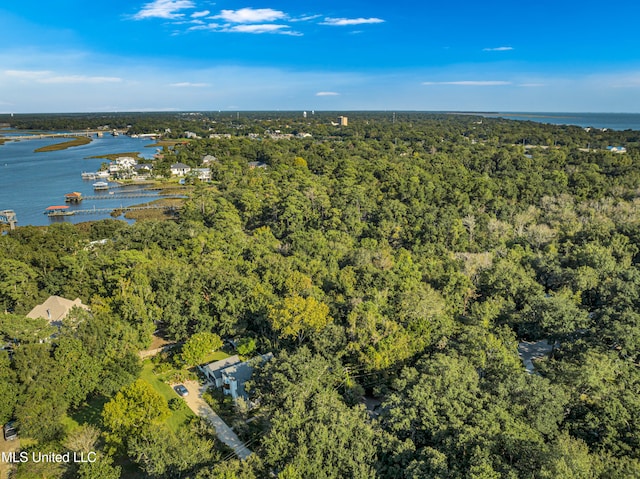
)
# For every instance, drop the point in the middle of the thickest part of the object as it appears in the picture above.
(231, 373)
(213, 371)
(55, 309)
(180, 169)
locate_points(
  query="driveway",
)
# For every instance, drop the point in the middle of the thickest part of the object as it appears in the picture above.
(532, 350)
(7, 446)
(201, 408)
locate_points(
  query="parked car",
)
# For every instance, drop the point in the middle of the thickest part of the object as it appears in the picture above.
(10, 431)
(181, 390)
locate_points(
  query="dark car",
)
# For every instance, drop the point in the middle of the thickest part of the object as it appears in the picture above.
(181, 390)
(10, 431)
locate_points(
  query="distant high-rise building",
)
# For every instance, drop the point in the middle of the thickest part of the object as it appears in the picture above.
(343, 120)
(304, 114)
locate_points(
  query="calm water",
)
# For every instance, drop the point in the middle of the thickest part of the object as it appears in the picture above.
(612, 121)
(30, 182)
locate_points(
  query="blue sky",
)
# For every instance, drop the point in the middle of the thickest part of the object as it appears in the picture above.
(76, 56)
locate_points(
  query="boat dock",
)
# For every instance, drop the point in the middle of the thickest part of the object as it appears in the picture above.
(61, 210)
(77, 199)
(121, 208)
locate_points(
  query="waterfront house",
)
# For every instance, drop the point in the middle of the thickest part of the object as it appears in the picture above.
(203, 174)
(180, 169)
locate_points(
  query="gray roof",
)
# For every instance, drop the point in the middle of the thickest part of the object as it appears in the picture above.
(242, 372)
(216, 367)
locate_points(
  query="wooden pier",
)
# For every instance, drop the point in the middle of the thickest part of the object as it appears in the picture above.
(78, 197)
(121, 208)
(131, 195)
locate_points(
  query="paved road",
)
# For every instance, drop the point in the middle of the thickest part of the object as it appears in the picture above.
(201, 408)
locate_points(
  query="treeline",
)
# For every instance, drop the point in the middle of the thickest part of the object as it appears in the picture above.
(432, 128)
(398, 261)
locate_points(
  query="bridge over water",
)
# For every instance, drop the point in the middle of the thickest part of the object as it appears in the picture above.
(39, 136)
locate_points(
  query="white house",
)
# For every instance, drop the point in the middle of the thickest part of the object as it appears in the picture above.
(180, 169)
(213, 371)
(257, 164)
(231, 374)
(122, 163)
(617, 149)
(203, 174)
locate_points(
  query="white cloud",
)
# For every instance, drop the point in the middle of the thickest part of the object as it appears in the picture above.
(45, 76)
(27, 74)
(208, 26)
(618, 80)
(341, 22)
(201, 14)
(327, 93)
(186, 84)
(469, 83)
(79, 79)
(262, 28)
(167, 9)
(250, 15)
(531, 85)
(497, 49)
(306, 18)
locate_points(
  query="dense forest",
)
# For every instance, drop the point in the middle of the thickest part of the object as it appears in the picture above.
(397, 261)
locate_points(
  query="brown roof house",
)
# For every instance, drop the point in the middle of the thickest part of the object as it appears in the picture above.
(55, 309)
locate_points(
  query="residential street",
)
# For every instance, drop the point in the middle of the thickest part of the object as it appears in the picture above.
(201, 408)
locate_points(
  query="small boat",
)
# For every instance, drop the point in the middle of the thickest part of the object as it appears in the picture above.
(102, 174)
(101, 185)
(88, 176)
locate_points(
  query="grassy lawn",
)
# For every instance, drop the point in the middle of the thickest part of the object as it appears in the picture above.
(215, 356)
(177, 418)
(89, 413)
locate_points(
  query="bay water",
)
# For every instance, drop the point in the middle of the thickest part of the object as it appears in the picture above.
(30, 182)
(611, 121)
